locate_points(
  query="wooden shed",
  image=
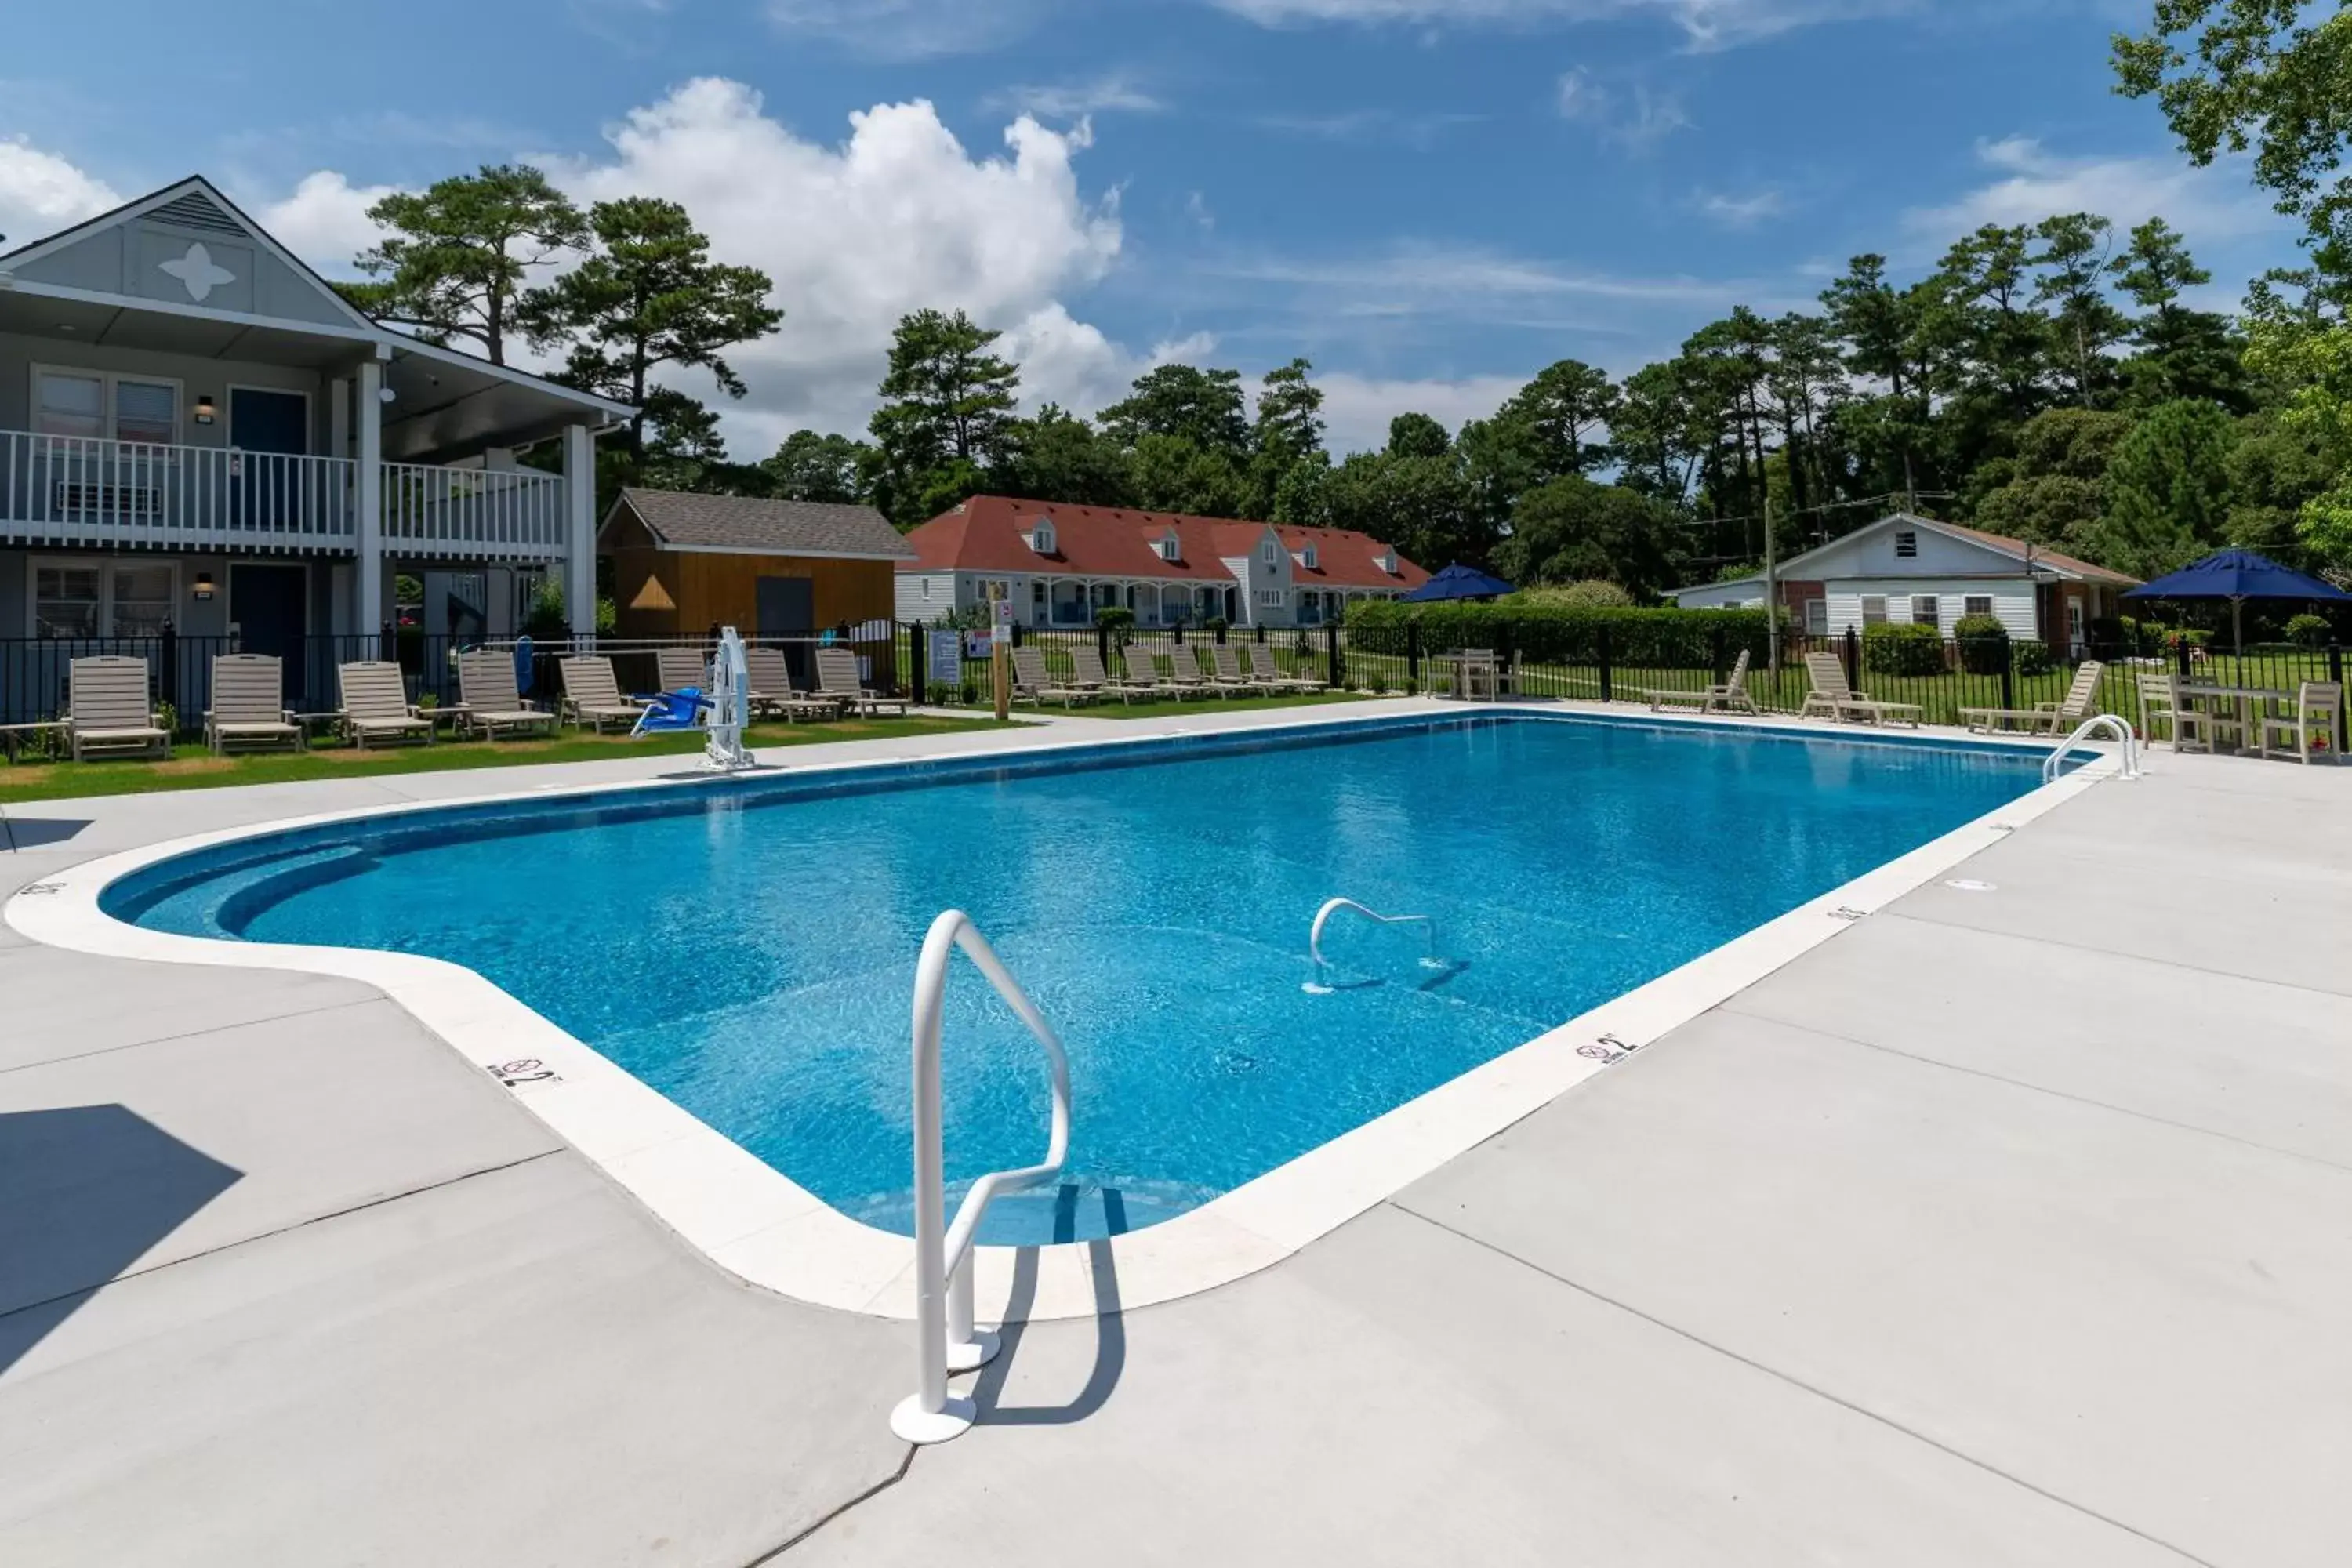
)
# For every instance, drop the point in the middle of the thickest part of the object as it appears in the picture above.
(682, 564)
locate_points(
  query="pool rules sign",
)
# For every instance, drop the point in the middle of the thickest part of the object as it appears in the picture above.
(1001, 660)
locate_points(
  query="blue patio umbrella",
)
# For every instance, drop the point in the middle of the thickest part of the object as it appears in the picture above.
(2238, 575)
(1458, 582)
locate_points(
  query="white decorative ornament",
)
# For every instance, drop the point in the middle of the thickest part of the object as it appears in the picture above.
(199, 272)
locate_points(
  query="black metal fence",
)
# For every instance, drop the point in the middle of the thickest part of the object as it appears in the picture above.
(1316, 651)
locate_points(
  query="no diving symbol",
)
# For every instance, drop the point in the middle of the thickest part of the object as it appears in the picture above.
(523, 1070)
(1606, 1049)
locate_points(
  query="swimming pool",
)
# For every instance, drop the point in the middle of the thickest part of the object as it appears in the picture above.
(746, 949)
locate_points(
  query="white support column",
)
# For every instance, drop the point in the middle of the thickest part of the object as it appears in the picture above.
(580, 530)
(368, 541)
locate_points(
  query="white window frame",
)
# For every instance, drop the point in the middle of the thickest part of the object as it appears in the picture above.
(1969, 603)
(1270, 553)
(1869, 599)
(1041, 537)
(1817, 616)
(1934, 615)
(109, 379)
(105, 565)
(1272, 598)
(1387, 562)
(1306, 558)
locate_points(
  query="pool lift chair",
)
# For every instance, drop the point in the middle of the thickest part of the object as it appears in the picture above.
(718, 708)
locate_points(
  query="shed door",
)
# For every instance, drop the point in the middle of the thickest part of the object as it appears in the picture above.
(787, 608)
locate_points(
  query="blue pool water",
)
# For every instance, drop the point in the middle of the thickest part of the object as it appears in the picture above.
(748, 949)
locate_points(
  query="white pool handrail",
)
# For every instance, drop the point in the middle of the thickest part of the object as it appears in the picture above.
(1321, 984)
(945, 1339)
(2123, 732)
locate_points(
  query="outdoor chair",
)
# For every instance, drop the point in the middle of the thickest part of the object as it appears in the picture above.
(677, 668)
(1263, 671)
(108, 709)
(2318, 708)
(1142, 680)
(1086, 672)
(1480, 668)
(2158, 704)
(1727, 694)
(492, 698)
(249, 705)
(1225, 662)
(837, 679)
(375, 705)
(1832, 695)
(772, 691)
(2081, 701)
(591, 697)
(1032, 682)
(1184, 672)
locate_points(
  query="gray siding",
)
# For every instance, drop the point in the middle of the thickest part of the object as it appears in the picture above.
(129, 259)
(197, 377)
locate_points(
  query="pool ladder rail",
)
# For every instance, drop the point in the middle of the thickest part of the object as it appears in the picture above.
(1321, 984)
(2122, 731)
(945, 1339)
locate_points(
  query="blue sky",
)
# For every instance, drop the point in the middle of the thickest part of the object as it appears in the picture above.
(1429, 198)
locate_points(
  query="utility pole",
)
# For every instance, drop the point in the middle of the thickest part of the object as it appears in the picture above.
(1771, 593)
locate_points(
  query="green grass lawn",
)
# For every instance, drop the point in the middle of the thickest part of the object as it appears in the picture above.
(192, 767)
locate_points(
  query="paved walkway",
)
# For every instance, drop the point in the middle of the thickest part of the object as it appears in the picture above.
(2014, 1226)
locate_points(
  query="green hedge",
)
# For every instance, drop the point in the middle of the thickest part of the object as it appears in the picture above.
(1904, 649)
(1546, 634)
(1983, 643)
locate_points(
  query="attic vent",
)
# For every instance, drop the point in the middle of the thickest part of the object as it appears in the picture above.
(1906, 545)
(196, 210)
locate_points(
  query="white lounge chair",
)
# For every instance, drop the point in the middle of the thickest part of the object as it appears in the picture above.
(1142, 683)
(678, 667)
(591, 697)
(1086, 672)
(493, 701)
(1258, 660)
(838, 678)
(108, 709)
(1033, 683)
(1727, 694)
(2082, 700)
(1225, 665)
(1831, 694)
(375, 705)
(249, 705)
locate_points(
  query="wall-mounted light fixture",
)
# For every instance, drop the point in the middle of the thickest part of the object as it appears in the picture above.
(205, 408)
(203, 589)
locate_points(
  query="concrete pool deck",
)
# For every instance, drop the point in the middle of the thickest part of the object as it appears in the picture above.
(2010, 1225)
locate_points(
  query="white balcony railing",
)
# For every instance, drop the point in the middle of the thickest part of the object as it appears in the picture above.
(516, 513)
(64, 490)
(68, 490)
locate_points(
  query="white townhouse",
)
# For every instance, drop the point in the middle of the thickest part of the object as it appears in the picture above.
(1906, 569)
(196, 429)
(1060, 564)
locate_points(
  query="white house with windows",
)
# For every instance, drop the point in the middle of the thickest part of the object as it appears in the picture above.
(1906, 569)
(1061, 565)
(195, 429)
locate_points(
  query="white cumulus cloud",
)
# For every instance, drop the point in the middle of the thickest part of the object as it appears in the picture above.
(1706, 24)
(1357, 408)
(2028, 183)
(41, 193)
(324, 220)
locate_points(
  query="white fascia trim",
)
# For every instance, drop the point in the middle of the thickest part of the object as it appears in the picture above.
(402, 343)
(194, 312)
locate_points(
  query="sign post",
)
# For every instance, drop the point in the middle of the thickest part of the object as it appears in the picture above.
(999, 659)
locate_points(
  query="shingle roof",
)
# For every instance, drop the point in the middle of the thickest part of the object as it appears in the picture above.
(987, 535)
(758, 527)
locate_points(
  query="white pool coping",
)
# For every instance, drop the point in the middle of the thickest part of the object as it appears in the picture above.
(761, 1226)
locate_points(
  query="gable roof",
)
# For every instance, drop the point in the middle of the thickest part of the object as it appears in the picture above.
(2020, 554)
(986, 533)
(749, 525)
(194, 202)
(2039, 554)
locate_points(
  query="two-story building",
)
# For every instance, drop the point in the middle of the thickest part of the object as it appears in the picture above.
(196, 429)
(1917, 570)
(1060, 564)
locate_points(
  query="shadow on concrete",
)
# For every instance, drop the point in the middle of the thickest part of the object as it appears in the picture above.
(89, 1190)
(33, 832)
(1110, 1326)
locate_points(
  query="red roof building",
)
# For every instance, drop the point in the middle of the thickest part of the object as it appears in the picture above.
(1060, 564)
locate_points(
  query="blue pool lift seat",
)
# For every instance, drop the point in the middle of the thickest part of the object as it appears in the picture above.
(669, 712)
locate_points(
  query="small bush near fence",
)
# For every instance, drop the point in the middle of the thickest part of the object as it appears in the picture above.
(1905, 649)
(1983, 644)
(2307, 630)
(1553, 634)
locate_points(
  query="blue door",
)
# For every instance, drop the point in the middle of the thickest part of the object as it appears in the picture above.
(268, 427)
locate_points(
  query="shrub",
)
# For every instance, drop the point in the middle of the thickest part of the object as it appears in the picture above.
(1593, 595)
(1906, 649)
(1983, 643)
(1214, 624)
(1111, 617)
(2108, 631)
(2034, 658)
(1664, 638)
(2307, 630)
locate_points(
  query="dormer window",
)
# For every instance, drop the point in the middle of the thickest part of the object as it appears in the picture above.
(1166, 547)
(1306, 558)
(1906, 545)
(1387, 562)
(1041, 536)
